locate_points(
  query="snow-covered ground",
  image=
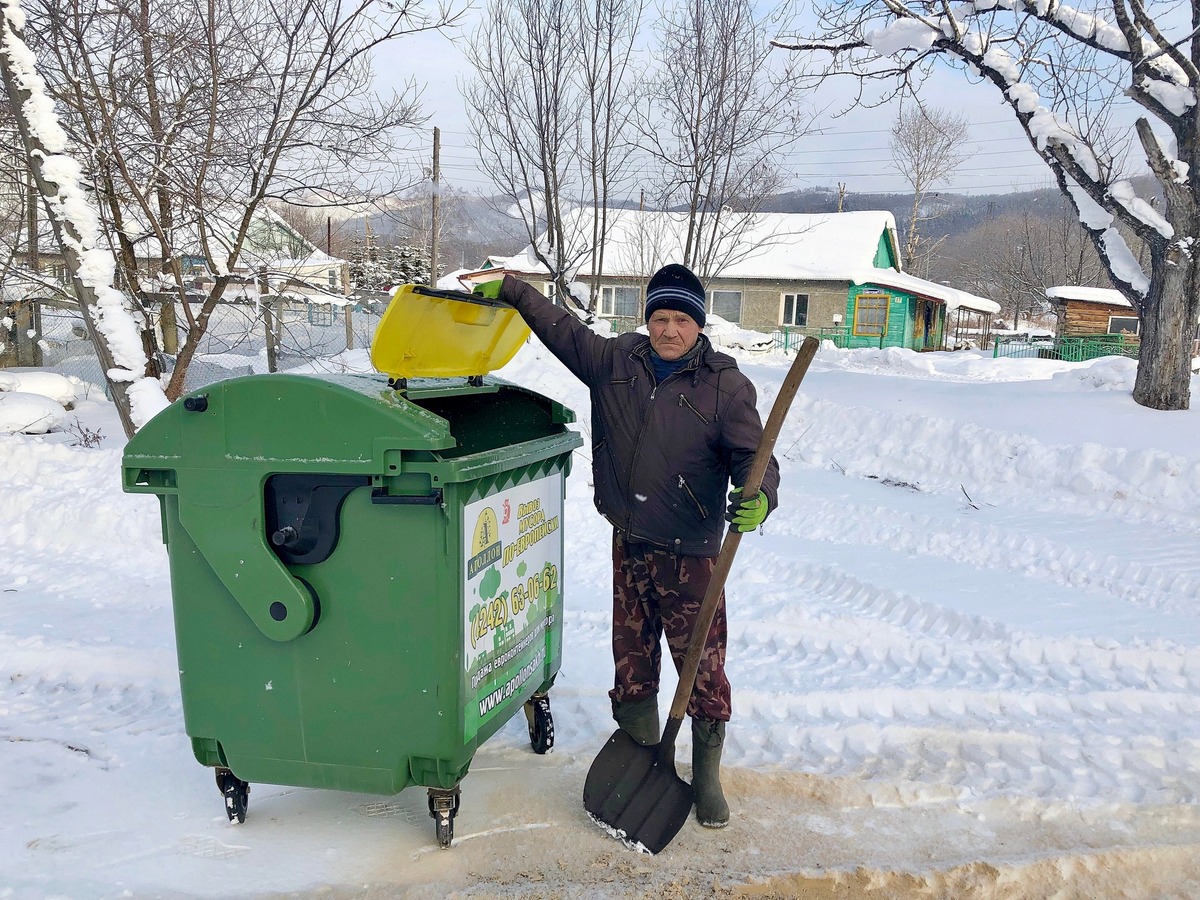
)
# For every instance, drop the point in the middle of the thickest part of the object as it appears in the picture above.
(965, 657)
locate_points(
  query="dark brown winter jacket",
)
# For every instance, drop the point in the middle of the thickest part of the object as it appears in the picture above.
(662, 455)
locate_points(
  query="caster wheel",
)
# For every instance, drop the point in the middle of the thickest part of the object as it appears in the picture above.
(541, 723)
(443, 807)
(236, 793)
(445, 832)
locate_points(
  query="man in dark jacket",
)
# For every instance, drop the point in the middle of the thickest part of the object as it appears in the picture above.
(673, 420)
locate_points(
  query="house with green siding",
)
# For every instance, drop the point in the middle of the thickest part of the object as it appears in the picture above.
(832, 275)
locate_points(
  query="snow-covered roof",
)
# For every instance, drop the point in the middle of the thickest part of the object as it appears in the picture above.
(1087, 295)
(773, 246)
(952, 297)
(793, 246)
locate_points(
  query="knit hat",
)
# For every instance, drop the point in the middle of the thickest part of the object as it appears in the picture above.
(675, 287)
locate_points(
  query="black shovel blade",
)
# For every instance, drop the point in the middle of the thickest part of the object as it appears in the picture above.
(637, 795)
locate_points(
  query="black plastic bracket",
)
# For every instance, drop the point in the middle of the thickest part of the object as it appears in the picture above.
(303, 514)
(434, 499)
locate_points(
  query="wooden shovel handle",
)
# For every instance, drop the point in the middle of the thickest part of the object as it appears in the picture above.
(733, 537)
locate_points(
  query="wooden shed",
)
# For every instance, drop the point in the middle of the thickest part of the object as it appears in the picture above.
(1085, 311)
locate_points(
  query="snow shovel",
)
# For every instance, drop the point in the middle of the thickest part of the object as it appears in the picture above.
(632, 790)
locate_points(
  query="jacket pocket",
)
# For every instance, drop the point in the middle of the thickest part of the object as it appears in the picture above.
(693, 500)
(685, 403)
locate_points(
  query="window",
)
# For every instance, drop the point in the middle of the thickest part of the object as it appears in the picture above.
(333, 279)
(726, 304)
(795, 310)
(320, 314)
(870, 314)
(620, 301)
(1123, 324)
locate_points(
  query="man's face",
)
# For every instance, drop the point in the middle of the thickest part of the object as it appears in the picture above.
(672, 333)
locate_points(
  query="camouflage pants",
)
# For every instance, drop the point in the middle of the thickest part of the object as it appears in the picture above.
(656, 592)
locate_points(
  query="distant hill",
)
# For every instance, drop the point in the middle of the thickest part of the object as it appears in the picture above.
(958, 213)
(475, 227)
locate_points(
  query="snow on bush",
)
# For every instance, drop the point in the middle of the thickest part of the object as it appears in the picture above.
(64, 389)
(35, 402)
(28, 413)
(1108, 373)
(724, 333)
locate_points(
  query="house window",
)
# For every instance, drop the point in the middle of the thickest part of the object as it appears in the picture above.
(726, 304)
(1123, 324)
(620, 301)
(320, 314)
(870, 314)
(333, 279)
(795, 310)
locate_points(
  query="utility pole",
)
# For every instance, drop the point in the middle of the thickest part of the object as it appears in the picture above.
(34, 305)
(269, 320)
(347, 313)
(435, 225)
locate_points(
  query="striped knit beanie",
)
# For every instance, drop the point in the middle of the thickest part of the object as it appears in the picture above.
(675, 287)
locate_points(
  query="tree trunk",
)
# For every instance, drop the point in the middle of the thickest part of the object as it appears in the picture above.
(65, 232)
(1164, 376)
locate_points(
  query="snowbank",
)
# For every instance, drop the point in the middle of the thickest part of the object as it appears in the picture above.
(965, 655)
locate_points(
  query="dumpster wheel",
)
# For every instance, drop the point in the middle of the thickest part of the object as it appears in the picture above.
(236, 793)
(443, 807)
(541, 723)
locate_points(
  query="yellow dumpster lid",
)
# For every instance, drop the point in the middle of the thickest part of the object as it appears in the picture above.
(426, 332)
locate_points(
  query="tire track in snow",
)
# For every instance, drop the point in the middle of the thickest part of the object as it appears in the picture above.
(942, 454)
(845, 678)
(93, 716)
(1163, 575)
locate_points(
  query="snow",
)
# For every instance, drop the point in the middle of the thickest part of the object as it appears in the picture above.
(1122, 262)
(783, 246)
(726, 334)
(1087, 294)
(1176, 98)
(952, 297)
(33, 402)
(78, 223)
(28, 413)
(965, 654)
(900, 35)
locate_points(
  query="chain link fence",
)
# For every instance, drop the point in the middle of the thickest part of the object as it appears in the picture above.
(235, 342)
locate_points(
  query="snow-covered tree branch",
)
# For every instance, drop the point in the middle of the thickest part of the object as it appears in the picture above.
(76, 224)
(1062, 70)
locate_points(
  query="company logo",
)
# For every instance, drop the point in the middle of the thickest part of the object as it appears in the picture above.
(485, 543)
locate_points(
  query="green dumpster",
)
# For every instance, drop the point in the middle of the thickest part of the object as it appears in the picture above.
(366, 581)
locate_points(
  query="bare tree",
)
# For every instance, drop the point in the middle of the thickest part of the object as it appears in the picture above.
(136, 392)
(193, 115)
(928, 145)
(1061, 69)
(1012, 259)
(608, 28)
(524, 85)
(716, 118)
(551, 81)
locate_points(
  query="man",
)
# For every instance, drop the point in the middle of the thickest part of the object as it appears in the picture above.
(673, 420)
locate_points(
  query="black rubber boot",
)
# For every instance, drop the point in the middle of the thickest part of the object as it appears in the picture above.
(640, 719)
(707, 740)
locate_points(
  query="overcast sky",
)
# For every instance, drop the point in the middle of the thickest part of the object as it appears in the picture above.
(852, 148)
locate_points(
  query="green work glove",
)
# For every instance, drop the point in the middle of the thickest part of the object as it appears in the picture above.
(746, 515)
(489, 289)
